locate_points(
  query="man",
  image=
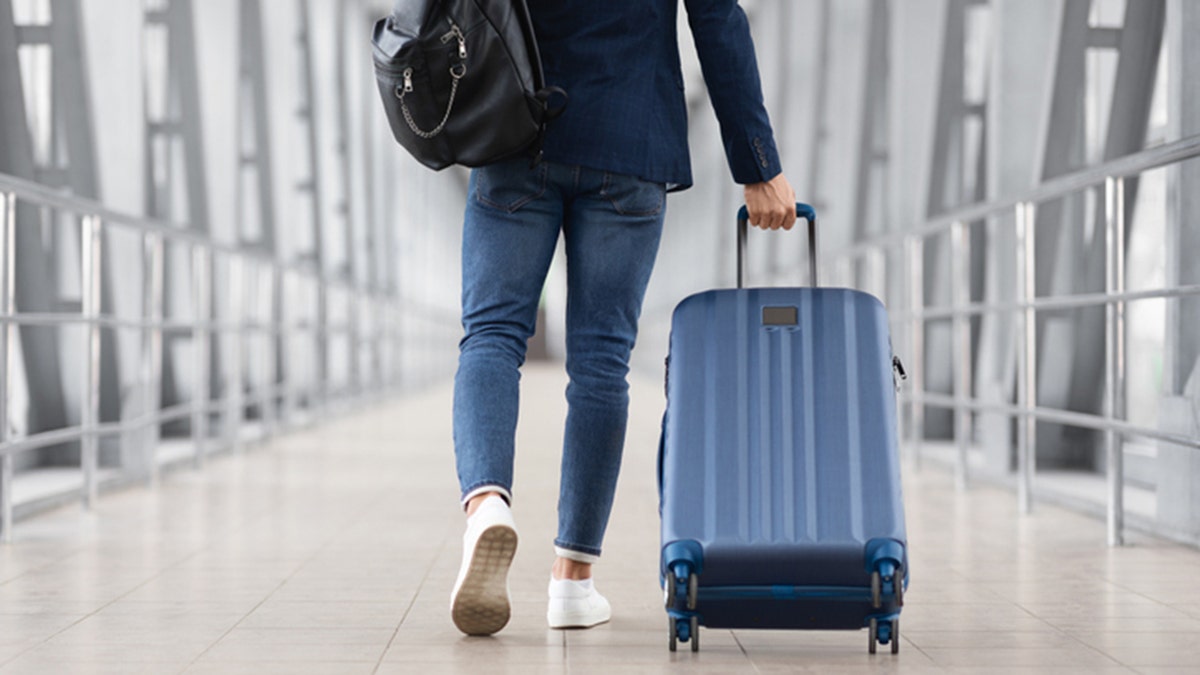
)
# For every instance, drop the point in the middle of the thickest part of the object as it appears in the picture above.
(609, 162)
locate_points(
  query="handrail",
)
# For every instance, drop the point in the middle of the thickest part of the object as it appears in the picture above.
(1059, 302)
(1054, 188)
(47, 197)
(1074, 419)
(914, 314)
(257, 326)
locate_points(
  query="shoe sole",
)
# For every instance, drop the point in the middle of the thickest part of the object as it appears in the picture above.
(575, 621)
(481, 606)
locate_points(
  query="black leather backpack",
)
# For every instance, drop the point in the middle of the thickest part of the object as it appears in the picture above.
(467, 87)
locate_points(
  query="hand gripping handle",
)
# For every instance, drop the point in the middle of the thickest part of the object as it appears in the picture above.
(802, 211)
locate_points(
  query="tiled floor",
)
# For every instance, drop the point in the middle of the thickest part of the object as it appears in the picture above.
(334, 551)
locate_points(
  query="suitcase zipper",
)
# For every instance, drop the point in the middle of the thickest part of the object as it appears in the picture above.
(899, 374)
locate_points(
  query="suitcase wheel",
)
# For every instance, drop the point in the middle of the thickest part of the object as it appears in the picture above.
(896, 579)
(693, 589)
(882, 633)
(684, 630)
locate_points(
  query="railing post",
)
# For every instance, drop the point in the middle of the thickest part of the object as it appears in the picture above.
(152, 351)
(201, 287)
(879, 264)
(8, 227)
(1114, 231)
(960, 254)
(1027, 362)
(286, 321)
(265, 290)
(235, 408)
(91, 280)
(321, 338)
(916, 368)
(355, 382)
(379, 320)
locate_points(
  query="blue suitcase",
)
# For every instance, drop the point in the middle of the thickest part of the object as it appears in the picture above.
(778, 468)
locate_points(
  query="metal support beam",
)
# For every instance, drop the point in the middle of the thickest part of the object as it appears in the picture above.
(350, 268)
(1072, 260)
(174, 138)
(820, 102)
(35, 264)
(254, 133)
(201, 351)
(8, 336)
(949, 180)
(311, 186)
(256, 230)
(953, 181)
(235, 401)
(175, 135)
(873, 146)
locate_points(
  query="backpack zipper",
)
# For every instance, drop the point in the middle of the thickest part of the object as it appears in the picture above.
(456, 32)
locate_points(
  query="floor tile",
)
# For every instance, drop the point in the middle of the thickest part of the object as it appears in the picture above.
(1158, 649)
(334, 551)
(205, 667)
(42, 666)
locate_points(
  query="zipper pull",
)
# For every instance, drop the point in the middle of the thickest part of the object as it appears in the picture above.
(899, 374)
(456, 32)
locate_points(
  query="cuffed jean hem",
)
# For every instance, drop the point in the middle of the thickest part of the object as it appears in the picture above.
(578, 556)
(484, 489)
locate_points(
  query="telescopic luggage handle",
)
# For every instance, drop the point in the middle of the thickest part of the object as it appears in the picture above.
(802, 211)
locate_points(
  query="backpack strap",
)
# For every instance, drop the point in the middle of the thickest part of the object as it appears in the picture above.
(543, 97)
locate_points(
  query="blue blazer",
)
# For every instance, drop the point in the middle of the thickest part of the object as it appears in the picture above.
(618, 60)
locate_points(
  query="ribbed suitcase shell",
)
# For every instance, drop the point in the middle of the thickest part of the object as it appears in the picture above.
(780, 453)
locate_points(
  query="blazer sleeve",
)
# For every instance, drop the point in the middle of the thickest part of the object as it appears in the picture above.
(722, 36)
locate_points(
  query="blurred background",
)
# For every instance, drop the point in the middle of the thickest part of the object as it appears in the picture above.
(209, 236)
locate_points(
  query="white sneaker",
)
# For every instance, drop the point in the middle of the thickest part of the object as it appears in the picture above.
(479, 604)
(576, 604)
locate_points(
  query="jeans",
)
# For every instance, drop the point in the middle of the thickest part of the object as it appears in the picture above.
(611, 225)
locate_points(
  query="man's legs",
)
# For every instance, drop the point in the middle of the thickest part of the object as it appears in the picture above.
(510, 231)
(509, 235)
(612, 234)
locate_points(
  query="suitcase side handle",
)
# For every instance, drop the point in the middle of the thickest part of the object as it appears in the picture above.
(804, 211)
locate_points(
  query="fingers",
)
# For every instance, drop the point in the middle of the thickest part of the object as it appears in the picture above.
(772, 204)
(775, 217)
(768, 220)
(789, 215)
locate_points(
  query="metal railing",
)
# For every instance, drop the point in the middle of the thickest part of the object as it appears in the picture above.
(259, 316)
(909, 246)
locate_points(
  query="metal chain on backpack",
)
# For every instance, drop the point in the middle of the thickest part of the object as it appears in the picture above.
(456, 72)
